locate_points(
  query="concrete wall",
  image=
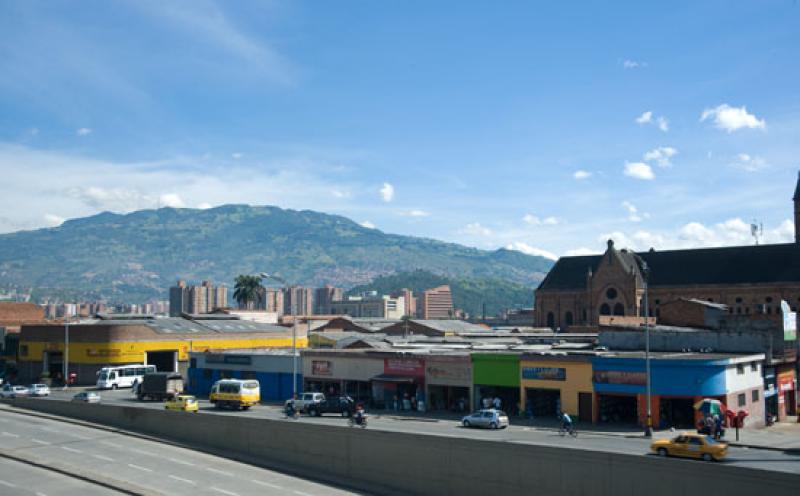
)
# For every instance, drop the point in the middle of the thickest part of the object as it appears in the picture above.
(721, 341)
(382, 462)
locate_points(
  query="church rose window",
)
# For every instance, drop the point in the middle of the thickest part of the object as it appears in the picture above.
(611, 293)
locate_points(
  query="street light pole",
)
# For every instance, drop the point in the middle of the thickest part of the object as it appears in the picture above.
(648, 431)
(66, 353)
(293, 310)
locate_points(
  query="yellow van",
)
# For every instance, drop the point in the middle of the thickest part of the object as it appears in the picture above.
(235, 393)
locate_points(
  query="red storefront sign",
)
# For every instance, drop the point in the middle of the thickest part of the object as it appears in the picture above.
(404, 366)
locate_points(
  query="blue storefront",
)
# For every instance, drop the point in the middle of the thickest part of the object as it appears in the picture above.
(678, 381)
(271, 368)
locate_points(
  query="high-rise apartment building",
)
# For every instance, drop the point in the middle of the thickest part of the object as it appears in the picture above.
(323, 297)
(298, 300)
(437, 303)
(220, 297)
(178, 299)
(196, 299)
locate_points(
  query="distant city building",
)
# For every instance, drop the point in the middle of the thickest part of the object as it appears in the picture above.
(373, 306)
(196, 299)
(437, 303)
(298, 300)
(178, 299)
(323, 297)
(409, 300)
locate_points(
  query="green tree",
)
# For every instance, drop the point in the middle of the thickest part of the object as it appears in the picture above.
(246, 289)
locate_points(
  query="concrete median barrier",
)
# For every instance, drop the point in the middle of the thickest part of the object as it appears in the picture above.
(382, 462)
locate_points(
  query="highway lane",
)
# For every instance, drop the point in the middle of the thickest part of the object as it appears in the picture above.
(20, 479)
(754, 458)
(157, 467)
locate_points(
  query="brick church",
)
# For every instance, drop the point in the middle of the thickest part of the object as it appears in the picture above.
(578, 291)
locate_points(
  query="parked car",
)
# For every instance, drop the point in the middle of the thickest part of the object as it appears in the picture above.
(184, 403)
(87, 397)
(491, 419)
(10, 391)
(305, 400)
(691, 445)
(343, 405)
(39, 390)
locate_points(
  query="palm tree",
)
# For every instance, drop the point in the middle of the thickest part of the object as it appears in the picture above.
(246, 290)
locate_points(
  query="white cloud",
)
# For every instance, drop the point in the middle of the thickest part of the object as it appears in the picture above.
(475, 229)
(648, 118)
(237, 155)
(581, 174)
(579, 252)
(531, 250)
(340, 194)
(639, 170)
(633, 64)
(171, 200)
(533, 220)
(550, 221)
(84, 131)
(732, 118)
(53, 220)
(387, 192)
(748, 163)
(204, 206)
(645, 118)
(633, 212)
(732, 232)
(415, 213)
(368, 224)
(661, 156)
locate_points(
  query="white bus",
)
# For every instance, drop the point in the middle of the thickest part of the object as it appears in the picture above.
(122, 375)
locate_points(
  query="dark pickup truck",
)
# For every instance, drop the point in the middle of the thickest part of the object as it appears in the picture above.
(159, 386)
(343, 405)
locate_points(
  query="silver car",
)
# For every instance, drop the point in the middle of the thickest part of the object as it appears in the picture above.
(10, 391)
(39, 390)
(87, 397)
(491, 419)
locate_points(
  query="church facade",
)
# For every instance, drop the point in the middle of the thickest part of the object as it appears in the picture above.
(750, 280)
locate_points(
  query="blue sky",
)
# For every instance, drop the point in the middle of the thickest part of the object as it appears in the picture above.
(543, 127)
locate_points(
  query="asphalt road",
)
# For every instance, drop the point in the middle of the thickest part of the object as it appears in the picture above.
(745, 457)
(156, 467)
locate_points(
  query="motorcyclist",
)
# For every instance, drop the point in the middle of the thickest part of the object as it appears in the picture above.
(566, 422)
(290, 408)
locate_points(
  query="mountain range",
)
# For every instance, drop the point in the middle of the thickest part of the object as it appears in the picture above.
(137, 256)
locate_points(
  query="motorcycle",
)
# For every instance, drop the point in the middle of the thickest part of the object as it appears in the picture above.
(291, 412)
(357, 419)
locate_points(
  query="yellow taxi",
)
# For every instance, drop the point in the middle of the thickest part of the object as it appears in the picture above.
(691, 445)
(183, 403)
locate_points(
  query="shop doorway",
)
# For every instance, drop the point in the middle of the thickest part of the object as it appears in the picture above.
(165, 361)
(452, 398)
(614, 409)
(543, 402)
(585, 406)
(676, 412)
(509, 397)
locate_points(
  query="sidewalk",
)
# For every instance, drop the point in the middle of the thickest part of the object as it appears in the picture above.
(783, 436)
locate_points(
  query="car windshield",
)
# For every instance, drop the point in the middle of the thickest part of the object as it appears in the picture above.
(502, 414)
(711, 440)
(104, 376)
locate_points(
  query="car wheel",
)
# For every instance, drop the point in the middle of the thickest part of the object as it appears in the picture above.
(466, 423)
(707, 457)
(114, 387)
(662, 452)
(493, 425)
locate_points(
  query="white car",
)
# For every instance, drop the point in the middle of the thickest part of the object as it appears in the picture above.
(39, 390)
(493, 419)
(87, 397)
(10, 391)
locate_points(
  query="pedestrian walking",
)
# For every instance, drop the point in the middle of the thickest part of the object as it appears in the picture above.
(497, 402)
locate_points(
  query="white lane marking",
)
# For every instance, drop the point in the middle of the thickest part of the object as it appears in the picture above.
(77, 436)
(72, 450)
(41, 494)
(268, 484)
(137, 467)
(7, 484)
(182, 462)
(218, 471)
(39, 441)
(10, 434)
(230, 493)
(104, 458)
(182, 479)
(142, 452)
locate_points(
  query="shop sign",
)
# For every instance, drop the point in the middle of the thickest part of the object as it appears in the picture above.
(439, 371)
(404, 366)
(544, 373)
(228, 359)
(321, 367)
(789, 322)
(619, 377)
(113, 352)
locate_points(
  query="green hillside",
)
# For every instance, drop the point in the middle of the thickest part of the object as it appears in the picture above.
(137, 256)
